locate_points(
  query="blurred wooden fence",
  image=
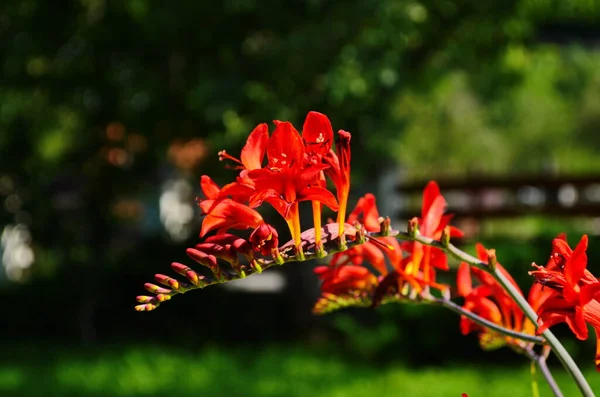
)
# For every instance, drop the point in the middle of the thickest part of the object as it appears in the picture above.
(513, 196)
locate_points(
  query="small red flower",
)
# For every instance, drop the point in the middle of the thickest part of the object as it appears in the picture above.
(425, 259)
(339, 172)
(576, 292)
(489, 300)
(345, 280)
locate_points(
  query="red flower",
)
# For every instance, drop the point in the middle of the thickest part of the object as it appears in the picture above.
(224, 213)
(264, 239)
(576, 292)
(288, 179)
(345, 280)
(488, 300)
(339, 172)
(368, 270)
(431, 224)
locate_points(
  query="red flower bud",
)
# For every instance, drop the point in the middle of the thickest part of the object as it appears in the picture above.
(264, 239)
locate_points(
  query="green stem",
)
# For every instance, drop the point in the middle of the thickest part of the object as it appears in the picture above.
(558, 348)
(540, 361)
(486, 323)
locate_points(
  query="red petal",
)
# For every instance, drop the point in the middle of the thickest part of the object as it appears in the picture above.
(577, 324)
(285, 148)
(561, 247)
(229, 214)
(320, 194)
(317, 133)
(431, 192)
(575, 266)
(464, 283)
(366, 212)
(395, 254)
(456, 232)
(481, 252)
(255, 148)
(238, 191)
(433, 216)
(597, 359)
(209, 188)
(374, 257)
(589, 292)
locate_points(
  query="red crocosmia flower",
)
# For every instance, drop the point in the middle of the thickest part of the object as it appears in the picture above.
(369, 268)
(287, 179)
(538, 293)
(317, 135)
(431, 224)
(488, 300)
(345, 280)
(339, 172)
(576, 292)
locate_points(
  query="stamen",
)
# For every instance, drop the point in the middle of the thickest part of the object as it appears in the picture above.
(223, 155)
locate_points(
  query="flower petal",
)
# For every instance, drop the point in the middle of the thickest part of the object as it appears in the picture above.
(431, 192)
(366, 213)
(285, 149)
(464, 283)
(433, 216)
(577, 324)
(320, 194)
(575, 266)
(228, 214)
(317, 134)
(254, 150)
(209, 187)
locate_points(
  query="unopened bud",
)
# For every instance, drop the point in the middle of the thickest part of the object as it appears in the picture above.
(171, 282)
(445, 239)
(155, 289)
(145, 299)
(386, 226)
(492, 259)
(264, 238)
(146, 308)
(187, 272)
(413, 227)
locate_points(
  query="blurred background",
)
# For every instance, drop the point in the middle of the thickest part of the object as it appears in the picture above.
(111, 110)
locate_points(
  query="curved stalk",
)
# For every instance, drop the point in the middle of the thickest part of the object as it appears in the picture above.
(557, 347)
(486, 323)
(540, 361)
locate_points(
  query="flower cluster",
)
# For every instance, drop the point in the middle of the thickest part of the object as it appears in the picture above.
(412, 265)
(295, 170)
(368, 265)
(489, 300)
(573, 293)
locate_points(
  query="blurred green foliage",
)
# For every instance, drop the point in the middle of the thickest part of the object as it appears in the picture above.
(276, 371)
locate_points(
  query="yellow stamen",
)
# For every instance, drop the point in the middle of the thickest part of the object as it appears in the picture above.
(341, 216)
(293, 221)
(427, 257)
(316, 206)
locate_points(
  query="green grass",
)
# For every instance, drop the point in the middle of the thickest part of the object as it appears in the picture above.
(275, 371)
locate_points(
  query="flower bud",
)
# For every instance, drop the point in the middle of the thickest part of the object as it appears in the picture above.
(264, 239)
